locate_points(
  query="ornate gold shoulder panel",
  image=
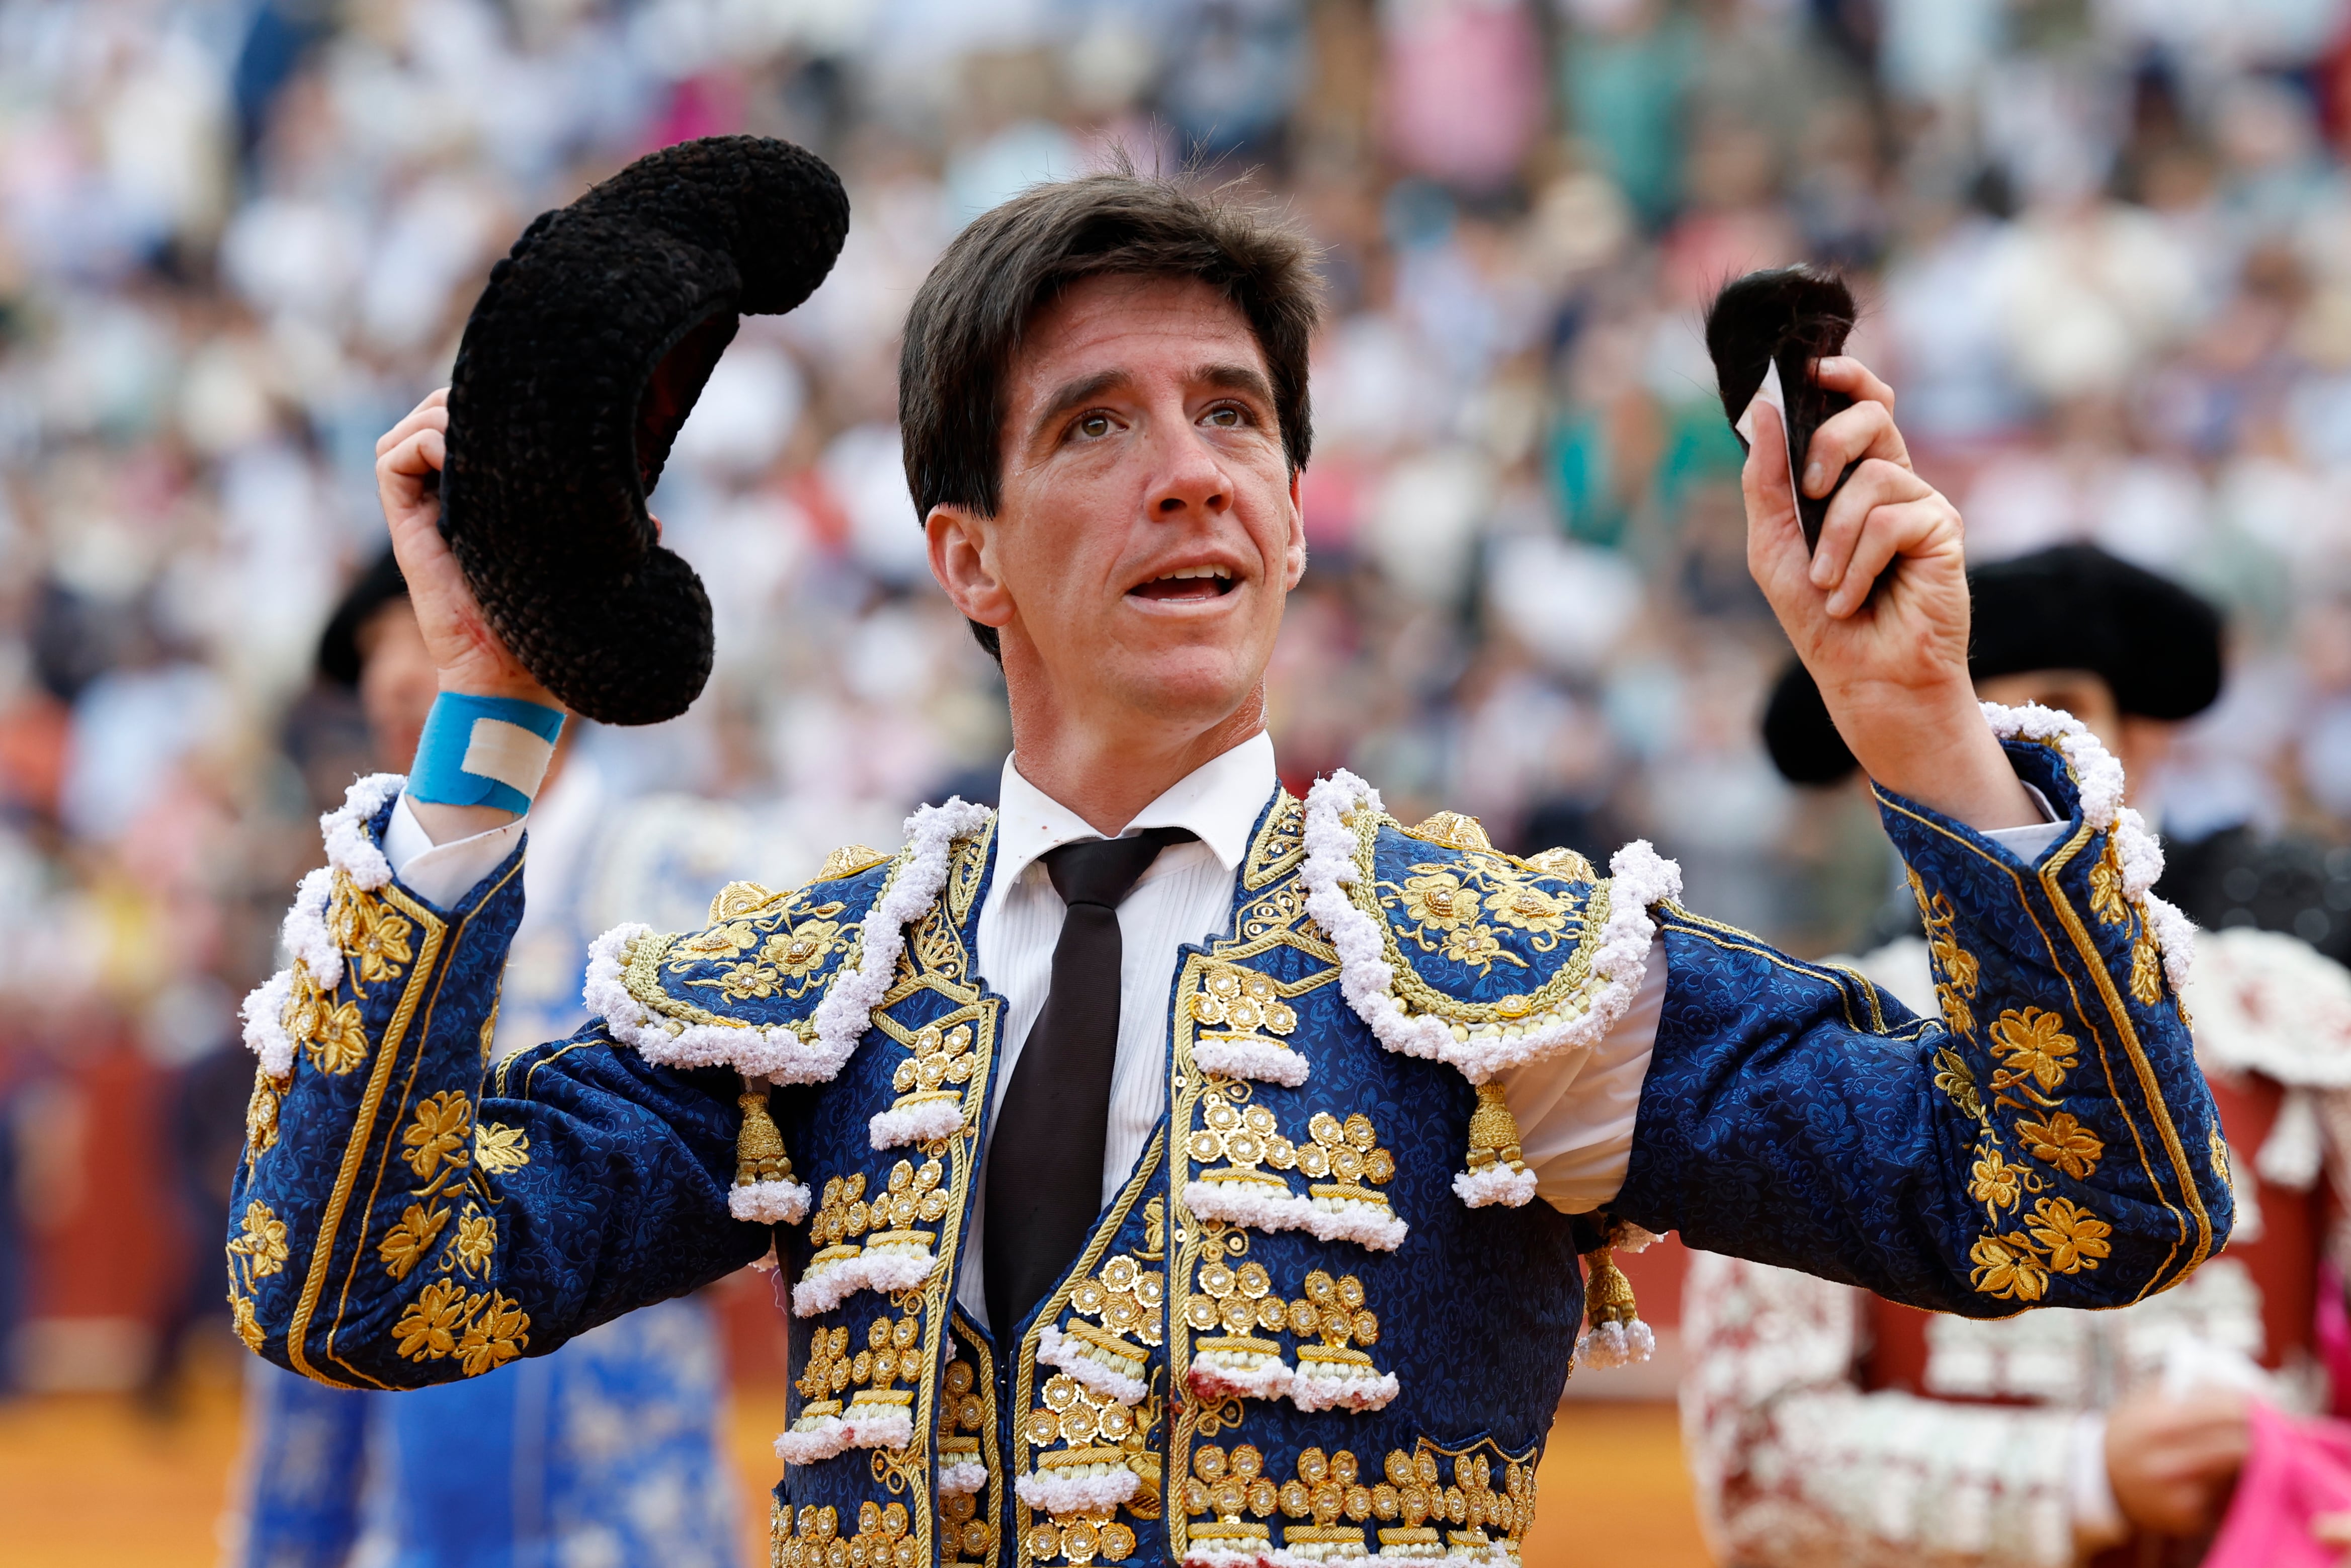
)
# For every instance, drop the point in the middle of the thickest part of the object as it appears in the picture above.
(847, 861)
(1475, 936)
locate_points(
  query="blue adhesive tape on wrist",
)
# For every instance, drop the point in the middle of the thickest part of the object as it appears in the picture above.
(484, 751)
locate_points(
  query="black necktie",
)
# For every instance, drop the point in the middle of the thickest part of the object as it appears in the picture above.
(1045, 1157)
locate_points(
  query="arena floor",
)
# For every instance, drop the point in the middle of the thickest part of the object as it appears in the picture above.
(92, 1481)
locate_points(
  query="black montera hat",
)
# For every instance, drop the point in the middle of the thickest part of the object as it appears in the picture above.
(2071, 608)
(339, 644)
(580, 361)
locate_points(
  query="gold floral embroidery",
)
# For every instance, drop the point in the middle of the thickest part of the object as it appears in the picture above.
(790, 958)
(1124, 1297)
(261, 1111)
(1436, 898)
(428, 1329)
(719, 941)
(405, 1245)
(2107, 898)
(1529, 908)
(2064, 1141)
(1327, 1502)
(1954, 1078)
(1995, 1181)
(259, 1247)
(439, 1132)
(1478, 947)
(242, 1319)
(331, 1035)
(2006, 1267)
(2033, 1045)
(372, 931)
(477, 1238)
(2147, 970)
(883, 1538)
(2220, 1165)
(1441, 903)
(1957, 972)
(494, 1328)
(497, 1336)
(341, 1044)
(2075, 1237)
(798, 954)
(1242, 1001)
(942, 1063)
(1245, 1137)
(499, 1148)
(2060, 1237)
(827, 1372)
(259, 1251)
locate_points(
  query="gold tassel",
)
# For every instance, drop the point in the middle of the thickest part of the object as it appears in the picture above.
(759, 1147)
(1607, 1294)
(1493, 1132)
(1615, 1334)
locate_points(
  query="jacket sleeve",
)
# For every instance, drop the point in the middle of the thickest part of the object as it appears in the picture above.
(1796, 1465)
(399, 1219)
(2048, 1141)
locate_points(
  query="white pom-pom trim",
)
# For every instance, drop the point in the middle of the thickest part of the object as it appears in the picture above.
(886, 1271)
(891, 1270)
(1208, 1557)
(2098, 778)
(1260, 1059)
(265, 1023)
(1221, 1379)
(350, 848)
(887, 1427)
(768, 1202)
(922, 1124)
(1258, 1207)
(1510, 1185)
(1613, 1344)
(898, 1270)
(826, 1287)
(1106, 1487)
(1639, 878)
(962, 1478)
(1360, 1392)
(305, 932)
(806, 1445)
(1073, 1355)
(776, 1053)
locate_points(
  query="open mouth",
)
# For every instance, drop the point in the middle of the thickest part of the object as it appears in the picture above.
(1190, 583)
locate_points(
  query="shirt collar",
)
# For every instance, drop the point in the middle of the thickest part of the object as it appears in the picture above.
(1220, 800)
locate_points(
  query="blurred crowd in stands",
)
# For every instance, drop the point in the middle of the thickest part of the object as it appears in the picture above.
(2105, 244)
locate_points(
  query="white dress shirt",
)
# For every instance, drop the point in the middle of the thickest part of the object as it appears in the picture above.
(1575, 1112)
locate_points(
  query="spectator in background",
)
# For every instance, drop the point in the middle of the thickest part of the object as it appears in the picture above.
(1828, 1429)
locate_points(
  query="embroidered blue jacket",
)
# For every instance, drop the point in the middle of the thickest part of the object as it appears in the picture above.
(1321, 1319)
